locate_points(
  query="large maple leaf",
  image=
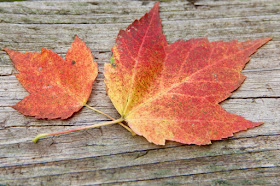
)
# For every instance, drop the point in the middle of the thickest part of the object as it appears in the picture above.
(57, 87)
(172, 91)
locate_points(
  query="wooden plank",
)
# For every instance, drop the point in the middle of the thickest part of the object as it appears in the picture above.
(110, 155)
(237, 154)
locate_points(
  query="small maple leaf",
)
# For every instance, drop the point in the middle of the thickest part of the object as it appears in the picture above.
(172, 91)
(57, 87)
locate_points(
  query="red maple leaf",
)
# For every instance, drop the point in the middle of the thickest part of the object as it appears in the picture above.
(172, 92)
(57, 87)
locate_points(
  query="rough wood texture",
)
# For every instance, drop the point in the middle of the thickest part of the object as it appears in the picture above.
(110, 155)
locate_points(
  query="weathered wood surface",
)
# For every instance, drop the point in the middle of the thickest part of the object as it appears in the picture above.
(110, 155)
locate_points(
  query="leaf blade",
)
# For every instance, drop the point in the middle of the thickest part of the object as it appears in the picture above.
(57, 87)
(181, 96)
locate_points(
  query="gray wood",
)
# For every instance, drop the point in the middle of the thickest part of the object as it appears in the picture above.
(110, 155)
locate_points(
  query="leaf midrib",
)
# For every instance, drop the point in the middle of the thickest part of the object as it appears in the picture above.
(135, 65)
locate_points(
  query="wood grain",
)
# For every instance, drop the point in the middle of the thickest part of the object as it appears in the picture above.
(110, 155)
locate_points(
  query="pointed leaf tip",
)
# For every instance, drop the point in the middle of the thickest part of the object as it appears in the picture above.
(77, 39)
(156, 6)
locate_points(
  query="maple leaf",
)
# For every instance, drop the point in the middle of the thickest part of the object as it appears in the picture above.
(57, 87)
(172, 91)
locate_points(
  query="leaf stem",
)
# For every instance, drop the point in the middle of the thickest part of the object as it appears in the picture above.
(100, 112)
(77, 129)
(96, 110)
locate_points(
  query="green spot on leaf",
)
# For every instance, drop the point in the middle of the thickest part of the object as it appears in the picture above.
(112, 61)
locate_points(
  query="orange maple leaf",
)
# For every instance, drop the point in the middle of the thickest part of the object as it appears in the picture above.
(57, 87)
(172, 92)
